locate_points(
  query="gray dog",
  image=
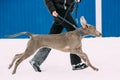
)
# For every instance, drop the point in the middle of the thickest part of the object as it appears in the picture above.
(67, 42)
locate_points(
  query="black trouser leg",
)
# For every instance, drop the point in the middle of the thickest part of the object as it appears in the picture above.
(56, 28)
(75, 59)
(41, 55)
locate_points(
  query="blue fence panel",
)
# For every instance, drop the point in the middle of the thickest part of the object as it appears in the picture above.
(32, 15)
(110, 18)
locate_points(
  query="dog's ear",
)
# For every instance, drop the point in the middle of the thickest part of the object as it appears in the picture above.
(83, 22)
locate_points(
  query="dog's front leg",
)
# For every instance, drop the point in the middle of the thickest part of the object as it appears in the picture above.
(84, 57)
(87, 61)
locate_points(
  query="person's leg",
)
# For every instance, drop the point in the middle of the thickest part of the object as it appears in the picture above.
(56, 28)
(75, 60)
(42, 54)
(39, 58)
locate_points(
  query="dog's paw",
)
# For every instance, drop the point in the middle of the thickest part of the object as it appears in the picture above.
(13, 72)
(9, 66)
(96, 69)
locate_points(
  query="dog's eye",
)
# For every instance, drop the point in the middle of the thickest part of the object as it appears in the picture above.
(87, 26)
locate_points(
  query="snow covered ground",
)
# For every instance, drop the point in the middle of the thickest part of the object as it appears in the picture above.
(103, 53)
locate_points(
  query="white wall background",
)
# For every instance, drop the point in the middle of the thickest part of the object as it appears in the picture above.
(98, 9)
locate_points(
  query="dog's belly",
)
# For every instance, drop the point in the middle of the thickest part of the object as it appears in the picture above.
(64, 49)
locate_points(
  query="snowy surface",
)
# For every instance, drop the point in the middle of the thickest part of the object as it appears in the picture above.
(103, 53)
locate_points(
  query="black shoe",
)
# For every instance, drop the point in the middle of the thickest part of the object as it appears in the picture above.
(79, 66)
(35, 66)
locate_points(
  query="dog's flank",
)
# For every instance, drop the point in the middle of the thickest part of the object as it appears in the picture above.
(67, 42)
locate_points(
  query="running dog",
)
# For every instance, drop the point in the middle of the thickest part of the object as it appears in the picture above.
(66, 42)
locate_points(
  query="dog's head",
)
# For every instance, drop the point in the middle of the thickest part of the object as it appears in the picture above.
(88, 29)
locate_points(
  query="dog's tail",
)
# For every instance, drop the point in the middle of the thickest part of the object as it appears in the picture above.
(18, 34)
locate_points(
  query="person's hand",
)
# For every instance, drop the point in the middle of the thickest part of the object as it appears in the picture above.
(78, 1)
(54, 13)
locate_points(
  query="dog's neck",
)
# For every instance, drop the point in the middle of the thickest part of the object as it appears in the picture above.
(80, 31)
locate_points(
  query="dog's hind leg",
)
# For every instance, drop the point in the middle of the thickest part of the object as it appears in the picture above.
(28, 52)
(17, 56)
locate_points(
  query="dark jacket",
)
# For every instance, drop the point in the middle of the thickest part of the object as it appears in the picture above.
(53, 5)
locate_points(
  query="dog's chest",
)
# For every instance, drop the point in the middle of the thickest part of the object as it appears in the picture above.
(66, 47)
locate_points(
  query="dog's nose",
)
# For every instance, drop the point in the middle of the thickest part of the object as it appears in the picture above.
(99, 35)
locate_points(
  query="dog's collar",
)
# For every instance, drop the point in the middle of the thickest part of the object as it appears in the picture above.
(81, 33)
